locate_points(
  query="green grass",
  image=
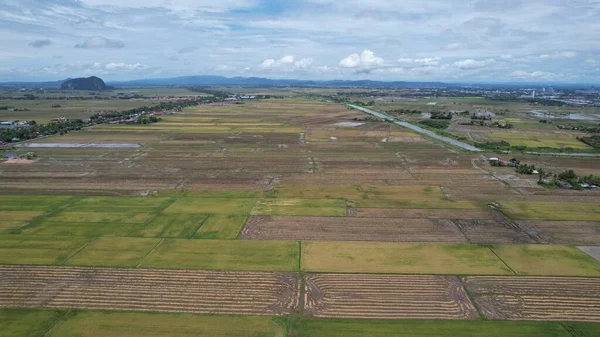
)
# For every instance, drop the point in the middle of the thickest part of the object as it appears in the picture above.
(25, 249)
(114, 252)
(211, 206)
(300, 207)
(376, 257)
(381, 328)
(115, 324)
(119, 204)
(225, 255)
(88, 229)
(7, 226)
(583, 329)
(573, 211)
(20, 215)
(31, 202)
(183, 225)
(529, 140)
(98, 217)
(54, 323)
(222, 227)
(27, 322)
(548, 260)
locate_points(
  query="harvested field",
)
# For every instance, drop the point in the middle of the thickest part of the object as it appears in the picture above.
(420, 213)
(149, 290)
(386, 296)
(536, 298)
(565, 232)
(491, 231)
(350, 229)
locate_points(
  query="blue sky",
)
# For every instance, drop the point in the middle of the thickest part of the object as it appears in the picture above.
(425, 40)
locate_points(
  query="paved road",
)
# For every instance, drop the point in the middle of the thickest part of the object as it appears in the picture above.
(418, 129)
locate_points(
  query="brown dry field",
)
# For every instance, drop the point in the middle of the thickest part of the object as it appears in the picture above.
(149, 290)
(567, 232)
(419, 213)
(386, 297)
(350, 229)
(415, 226)
(536, 298)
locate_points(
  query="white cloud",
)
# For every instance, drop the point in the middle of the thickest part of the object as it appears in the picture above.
(534, 75)
(304, 63)
(176, 5)
(287, 63)
(125, 66)
(423, 62)
(366, 60)
(99, 42)
(560, 55)
(472, 64)
(270, 64)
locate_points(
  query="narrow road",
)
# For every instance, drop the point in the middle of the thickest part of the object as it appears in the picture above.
(418, 129)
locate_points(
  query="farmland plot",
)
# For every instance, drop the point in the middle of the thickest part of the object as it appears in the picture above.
(565, 232)
(149, 290)
(466, 214)
(350, 229)
(537, 298)
(386, 296)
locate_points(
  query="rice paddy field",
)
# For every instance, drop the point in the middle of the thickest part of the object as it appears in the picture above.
(270, 218)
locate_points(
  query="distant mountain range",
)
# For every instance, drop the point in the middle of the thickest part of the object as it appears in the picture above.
(209, 80)
(259, 81)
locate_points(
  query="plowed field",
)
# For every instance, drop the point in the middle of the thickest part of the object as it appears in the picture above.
(537, 298)
(386, 297)
(149, 290)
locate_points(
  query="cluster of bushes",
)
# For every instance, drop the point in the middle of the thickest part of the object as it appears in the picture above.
(593, 141)
(570, 179)
(405, 111)
(436, 124)
(500, 145)
(441, 115)
(37, 130)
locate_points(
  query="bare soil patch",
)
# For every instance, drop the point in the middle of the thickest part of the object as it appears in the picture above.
(386, 297)
(19, 161)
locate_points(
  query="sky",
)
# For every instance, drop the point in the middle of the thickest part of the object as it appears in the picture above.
(391, 40)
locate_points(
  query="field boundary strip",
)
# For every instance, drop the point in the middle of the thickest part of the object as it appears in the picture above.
(150, 252)
(77, 251)
(499, 258)
(55, 323)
